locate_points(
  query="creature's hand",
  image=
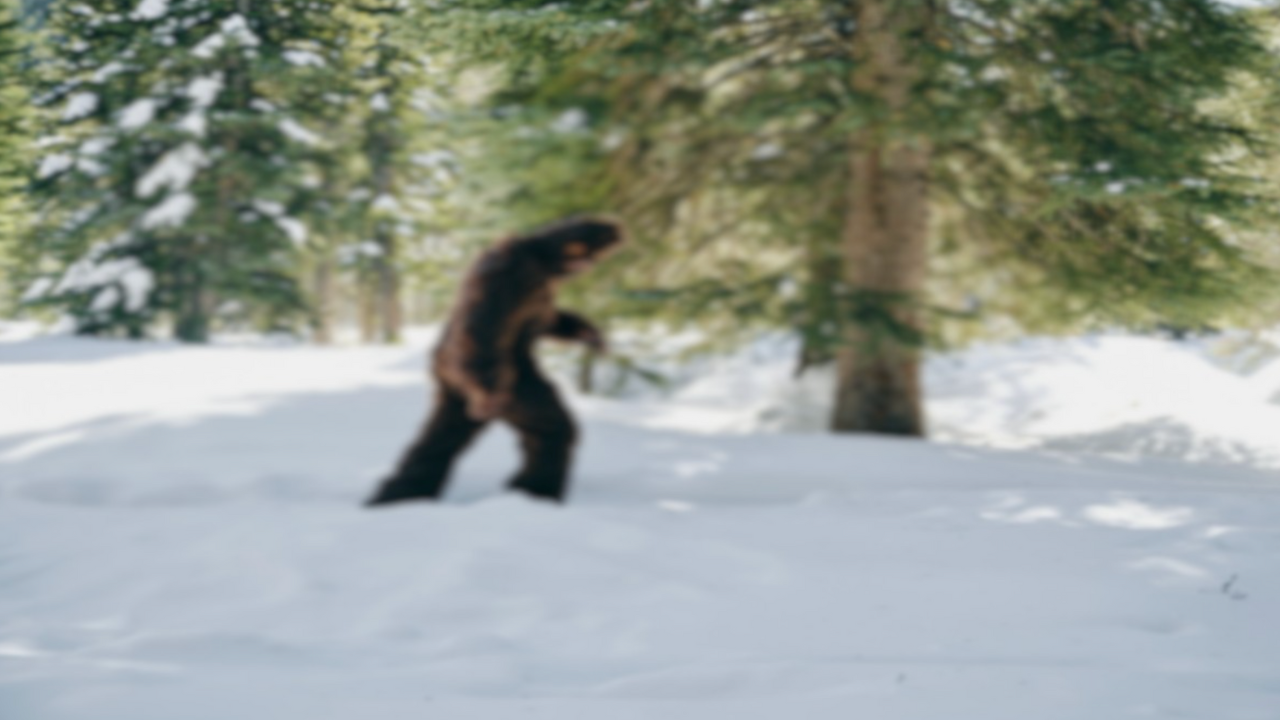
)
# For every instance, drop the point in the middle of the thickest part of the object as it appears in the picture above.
(487, 406)
(593, 338)
(573, 327)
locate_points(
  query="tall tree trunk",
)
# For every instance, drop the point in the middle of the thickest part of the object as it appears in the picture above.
(322, 291)
(368, 307)
(324, 274)
(884, 243)
(586, 371)
(192, 322)
(382, 145)
(390, 313)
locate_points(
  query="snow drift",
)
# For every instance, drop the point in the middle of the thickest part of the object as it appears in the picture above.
(179, 538)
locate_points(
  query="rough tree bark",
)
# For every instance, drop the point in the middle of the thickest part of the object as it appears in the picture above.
(586, 371)
(192, 322)
(390, 314)
(382, 146)
(322, 291)
(884, 244)
(368, 308)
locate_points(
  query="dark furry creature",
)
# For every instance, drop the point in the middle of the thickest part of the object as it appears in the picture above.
(484, 365)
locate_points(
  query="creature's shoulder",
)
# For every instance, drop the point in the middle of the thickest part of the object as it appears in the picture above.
(497, 260)
(508, 263)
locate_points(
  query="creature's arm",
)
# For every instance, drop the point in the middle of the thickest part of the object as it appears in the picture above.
(572, 326)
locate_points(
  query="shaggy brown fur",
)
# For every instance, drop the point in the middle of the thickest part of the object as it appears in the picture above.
(485, 369)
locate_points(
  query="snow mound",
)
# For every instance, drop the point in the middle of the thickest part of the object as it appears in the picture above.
(1210, 400)
(1114, 395)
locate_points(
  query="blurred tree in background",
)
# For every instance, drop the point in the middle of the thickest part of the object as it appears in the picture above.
(225, 164)
(180, 158)
(403, 177)
(845, 168)
(16, 133)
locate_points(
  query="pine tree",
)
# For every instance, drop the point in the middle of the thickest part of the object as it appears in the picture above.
(15, 138)
(34, 9)
(182, 160)
(404, 174)
(864, 152)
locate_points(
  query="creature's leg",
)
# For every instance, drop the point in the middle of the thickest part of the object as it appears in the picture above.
(424, 469)
(547, 435)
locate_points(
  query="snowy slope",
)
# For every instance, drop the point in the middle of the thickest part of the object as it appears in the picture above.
(1214, 399)
(179, 540)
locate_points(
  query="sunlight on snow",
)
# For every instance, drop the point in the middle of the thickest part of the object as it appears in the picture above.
(1135, 515)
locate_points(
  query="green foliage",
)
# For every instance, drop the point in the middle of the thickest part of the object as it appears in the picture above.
(403, 190)
(1104, 175)
(1092, 162)
(1082, 172)
(15, 141)
(179, 159)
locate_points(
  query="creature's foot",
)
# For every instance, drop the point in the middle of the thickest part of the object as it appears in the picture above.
(546, 494)
(394, 490)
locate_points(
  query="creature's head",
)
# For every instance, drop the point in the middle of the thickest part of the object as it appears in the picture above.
(574, 245)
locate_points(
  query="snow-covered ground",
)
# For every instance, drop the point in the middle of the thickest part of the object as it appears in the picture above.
(179, 540)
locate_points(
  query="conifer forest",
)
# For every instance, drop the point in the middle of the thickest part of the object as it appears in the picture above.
(874, 178)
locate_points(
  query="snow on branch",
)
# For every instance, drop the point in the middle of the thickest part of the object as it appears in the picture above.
(137, 114)
(150, 10)
(175, 170)
(172, 212)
